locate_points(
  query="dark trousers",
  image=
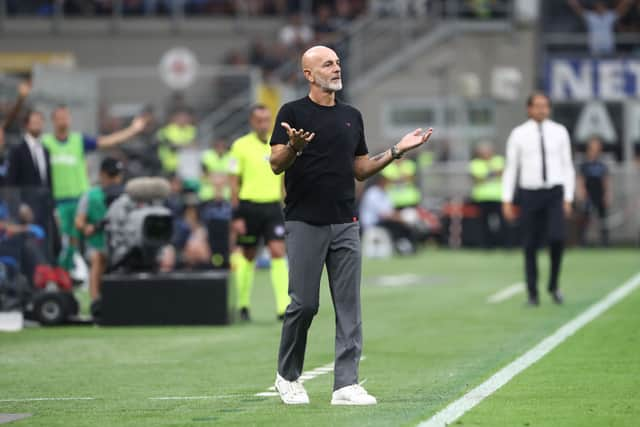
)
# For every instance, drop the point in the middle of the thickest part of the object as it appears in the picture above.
(542, 218)
(309, 249)
(594, 204)
(492, 224)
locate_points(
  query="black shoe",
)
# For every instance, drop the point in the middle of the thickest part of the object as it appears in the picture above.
(244, 314)
(557, 297)
(533, 302)
(281, 317)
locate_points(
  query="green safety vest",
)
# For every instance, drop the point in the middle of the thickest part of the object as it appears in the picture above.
(402, 193)
(68, 166)
(171, 138)
(96, 211)
(487, 190)
(214, 164)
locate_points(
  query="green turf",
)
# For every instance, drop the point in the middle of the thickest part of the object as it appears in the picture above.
(593, 379)
(425, 345)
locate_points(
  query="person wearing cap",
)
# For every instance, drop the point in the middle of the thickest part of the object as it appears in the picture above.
(90, 215)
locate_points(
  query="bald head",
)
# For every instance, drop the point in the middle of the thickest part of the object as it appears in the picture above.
(315, 55)
(321, 67)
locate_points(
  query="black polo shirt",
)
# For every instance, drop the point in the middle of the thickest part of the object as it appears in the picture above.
(320, 183)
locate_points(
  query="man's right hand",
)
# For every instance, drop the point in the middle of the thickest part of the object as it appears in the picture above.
(239, 226)
(508, 211)
(298, 138)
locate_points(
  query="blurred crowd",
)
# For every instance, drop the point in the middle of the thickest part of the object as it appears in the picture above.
(167, 7)
(602, 20)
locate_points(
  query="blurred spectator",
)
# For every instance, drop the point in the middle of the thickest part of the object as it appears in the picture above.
(376, 210)
(4, 157)
(630, 22)
(69, 170)
(600, 24)
(324, 29)
(216, 168)
(179, 133)
(175, 202)
(190, 241)
(486, 171)
(30, 171)
(296, 34)
(90, 216)
(594, 191)
(402, 187)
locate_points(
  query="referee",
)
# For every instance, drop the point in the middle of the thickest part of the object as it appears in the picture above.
(320, 143)
(256, 197)
(539, 152)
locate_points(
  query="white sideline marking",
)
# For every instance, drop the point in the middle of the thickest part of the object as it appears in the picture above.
(225, 396)
(398, 280)
(458, 408)
(506, 293)
(39, 399)
(306, 376)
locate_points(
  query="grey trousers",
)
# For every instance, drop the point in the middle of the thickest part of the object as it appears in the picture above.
(309, 248)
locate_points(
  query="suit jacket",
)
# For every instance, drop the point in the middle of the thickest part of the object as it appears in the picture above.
(23, 171)
(25, 175)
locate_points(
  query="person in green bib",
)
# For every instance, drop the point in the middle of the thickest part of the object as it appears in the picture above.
(486, 171)
(256, 197)
(216, 170)
(90, 215)
(176, 135)
(67, 150)
(403, 189)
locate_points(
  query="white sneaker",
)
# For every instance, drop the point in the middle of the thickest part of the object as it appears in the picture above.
(291, 392)
(352, 395)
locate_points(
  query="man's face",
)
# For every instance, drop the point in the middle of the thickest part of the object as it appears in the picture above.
(324, 71)
(594, 149)
(181, 119)
(35, 124)
(539, 109)
(600, 7)
(260, 122)
(220, 146)
(61, 119)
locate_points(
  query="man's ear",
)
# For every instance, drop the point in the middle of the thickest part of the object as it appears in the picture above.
(308, 75)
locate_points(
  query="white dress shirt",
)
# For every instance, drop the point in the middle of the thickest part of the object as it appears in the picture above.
(37, 154)
(524, 156)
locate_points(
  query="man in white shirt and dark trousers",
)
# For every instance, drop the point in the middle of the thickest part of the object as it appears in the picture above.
(539, 158)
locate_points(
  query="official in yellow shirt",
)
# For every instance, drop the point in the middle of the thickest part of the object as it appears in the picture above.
(256, 195)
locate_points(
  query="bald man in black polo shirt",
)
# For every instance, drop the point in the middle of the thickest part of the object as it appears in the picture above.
(319, 141)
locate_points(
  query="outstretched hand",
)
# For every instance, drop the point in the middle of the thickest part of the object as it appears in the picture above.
(299, 138)
(414, 139)
(139, 123)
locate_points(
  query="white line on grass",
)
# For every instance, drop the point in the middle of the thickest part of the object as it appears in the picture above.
(306, 376)
(506, 293)
(225, 396)
(38, 399)
(456, 409)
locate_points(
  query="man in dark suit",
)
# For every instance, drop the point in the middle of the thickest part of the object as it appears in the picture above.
(30, 173)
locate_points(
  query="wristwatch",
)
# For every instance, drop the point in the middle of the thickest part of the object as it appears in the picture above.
(395, 153)
(290, 145)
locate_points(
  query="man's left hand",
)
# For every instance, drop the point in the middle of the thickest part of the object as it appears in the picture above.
(139, 123)
(568, 209)
(413, 140)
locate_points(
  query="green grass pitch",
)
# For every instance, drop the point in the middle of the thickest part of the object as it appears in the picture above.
(430, 336)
